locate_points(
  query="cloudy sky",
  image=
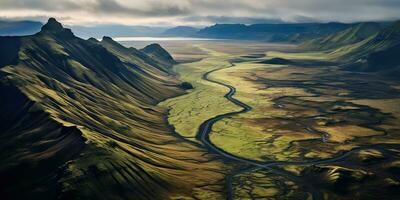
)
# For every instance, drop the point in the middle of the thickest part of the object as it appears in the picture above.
(199, 12)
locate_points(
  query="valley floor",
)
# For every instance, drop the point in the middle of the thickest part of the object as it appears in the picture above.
(313, 131)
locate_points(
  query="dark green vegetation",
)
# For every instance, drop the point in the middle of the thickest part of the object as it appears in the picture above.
(366, 48)
(186, 86)
(351, 35)
(19, 27)
(79, 120)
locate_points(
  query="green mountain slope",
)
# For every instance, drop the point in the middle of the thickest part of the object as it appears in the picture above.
(156, 52)
(378, 53)
(349, 36)
(79, 121)
(366, 48)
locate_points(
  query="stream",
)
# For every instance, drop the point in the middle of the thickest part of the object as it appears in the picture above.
(206, 127)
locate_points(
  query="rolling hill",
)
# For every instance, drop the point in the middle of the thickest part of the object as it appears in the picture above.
(351, 35)
(79, 120)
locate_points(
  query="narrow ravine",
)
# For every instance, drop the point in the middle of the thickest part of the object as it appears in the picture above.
(206, 127)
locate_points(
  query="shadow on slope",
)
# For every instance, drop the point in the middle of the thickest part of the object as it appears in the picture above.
(94, 130)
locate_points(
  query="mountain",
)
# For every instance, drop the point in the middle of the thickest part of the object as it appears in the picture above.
(225, 31)
(272, 32)
(156, 52)
(349, 36)
(133, 54)
(366, 47)
(17, 28)
(378, 53)
(79, 120)
(181, 31)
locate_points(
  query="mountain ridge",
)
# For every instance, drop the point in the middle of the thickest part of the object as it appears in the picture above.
(378, 53)
(272, 32)
(348, 36)
(366, 47)
(83, 113)
(183, 31)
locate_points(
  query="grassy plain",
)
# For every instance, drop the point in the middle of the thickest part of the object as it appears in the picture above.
(206, 100)
(304, 109)
(293, 106)
(296, 106)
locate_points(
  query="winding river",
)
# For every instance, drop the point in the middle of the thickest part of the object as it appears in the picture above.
(206, 127)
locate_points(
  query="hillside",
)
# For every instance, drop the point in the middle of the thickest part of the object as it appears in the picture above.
(156, 52)
(378, 53)
(366, 47)
(17, 28)
(349, 36)
(272, 32)
(79, 120)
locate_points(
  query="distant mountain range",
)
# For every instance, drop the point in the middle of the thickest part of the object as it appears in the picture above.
(272, 32)
(19, 27)
(266, 32)
(181, 31)
(357, 44)
(98, 31)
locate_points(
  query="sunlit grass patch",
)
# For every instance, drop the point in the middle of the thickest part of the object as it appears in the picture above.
(205, 101)
(298, 56)
(348, 132)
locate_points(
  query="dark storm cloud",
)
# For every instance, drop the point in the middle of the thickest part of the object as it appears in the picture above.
(203, 11)
(233, 20)
(130, 7)
(39, 4)
(155, 8)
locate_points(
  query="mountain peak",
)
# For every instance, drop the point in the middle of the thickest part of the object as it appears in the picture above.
(52, 25)
(55, 27)
(107, 39)
(158, 53)
(153, 46)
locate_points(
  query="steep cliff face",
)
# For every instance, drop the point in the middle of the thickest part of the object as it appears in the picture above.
(79, 121)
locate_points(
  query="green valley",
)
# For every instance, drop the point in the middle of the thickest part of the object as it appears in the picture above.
(199, 100)
(298, 101)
